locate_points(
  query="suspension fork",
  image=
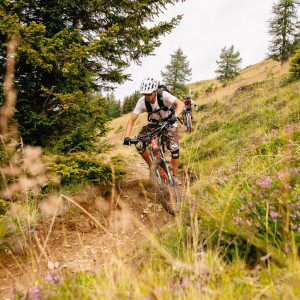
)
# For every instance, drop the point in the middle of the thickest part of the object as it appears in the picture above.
(156, 151)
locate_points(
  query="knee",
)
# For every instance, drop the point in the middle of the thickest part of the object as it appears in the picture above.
(174, 149)
(141, 147)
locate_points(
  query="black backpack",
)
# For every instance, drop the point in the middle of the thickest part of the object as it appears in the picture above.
(160, 101)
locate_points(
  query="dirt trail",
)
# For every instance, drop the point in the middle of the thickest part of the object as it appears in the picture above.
(77, 243)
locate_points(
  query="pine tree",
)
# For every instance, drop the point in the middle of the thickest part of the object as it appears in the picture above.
(228, 65)
(113, 108)
(68, 51)
(177, 73)
(130, 102)
(284, 29)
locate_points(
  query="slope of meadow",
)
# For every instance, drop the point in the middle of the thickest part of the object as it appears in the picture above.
(238, 235)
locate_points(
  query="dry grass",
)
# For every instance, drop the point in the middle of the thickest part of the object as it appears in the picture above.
(266, 69)
(177, 262)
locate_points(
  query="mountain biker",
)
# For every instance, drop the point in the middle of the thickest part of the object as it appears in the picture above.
(149, 89)
(188, 102)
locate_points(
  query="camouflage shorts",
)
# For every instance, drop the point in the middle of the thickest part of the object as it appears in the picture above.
(169, 135)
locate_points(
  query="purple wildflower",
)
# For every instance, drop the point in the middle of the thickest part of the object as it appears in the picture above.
(36, 292)
(294, 226)
(237, 220)
(274, 215)
(265, 182)
(185, 282)
(25, 296)
(251, 204)
(242, 195)
(52, 277)
(13, 293)
(222, 169)
(248, 222)
(273, 131)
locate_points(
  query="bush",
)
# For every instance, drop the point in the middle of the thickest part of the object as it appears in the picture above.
(295, 65)
(83, 168)
(209, 89)
(196, 94)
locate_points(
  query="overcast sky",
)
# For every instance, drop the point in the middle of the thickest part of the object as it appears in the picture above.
(207, 26)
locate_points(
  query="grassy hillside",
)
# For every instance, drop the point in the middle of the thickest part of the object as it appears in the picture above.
(238, 236)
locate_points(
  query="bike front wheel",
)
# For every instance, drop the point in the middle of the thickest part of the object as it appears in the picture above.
(168, 192)
(189, 123)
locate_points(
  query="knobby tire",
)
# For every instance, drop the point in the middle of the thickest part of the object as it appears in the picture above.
(169, 195)
(189, 123)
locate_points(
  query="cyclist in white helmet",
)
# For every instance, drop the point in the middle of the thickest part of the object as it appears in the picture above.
(157, 103)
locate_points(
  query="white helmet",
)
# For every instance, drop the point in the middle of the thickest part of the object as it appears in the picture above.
(148, 85)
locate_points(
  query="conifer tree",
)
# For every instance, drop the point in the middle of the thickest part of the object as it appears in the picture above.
(113, 108)
(68, 51)
(130, 102)
(228, 65)
(177, 73)
(284, 30)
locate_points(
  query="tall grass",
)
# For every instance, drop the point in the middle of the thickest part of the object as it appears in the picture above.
(238, 233)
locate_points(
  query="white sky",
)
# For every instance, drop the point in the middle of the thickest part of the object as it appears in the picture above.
(206, 27)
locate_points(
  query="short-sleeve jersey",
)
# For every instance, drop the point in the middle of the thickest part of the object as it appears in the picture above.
(188, 106)
(168, 100)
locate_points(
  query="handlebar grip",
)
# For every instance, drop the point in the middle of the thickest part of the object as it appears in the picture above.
(133, 142)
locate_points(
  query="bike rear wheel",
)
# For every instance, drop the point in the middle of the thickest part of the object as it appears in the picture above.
(168, 192)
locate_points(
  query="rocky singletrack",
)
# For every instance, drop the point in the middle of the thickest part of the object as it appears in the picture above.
(77, 243)
(83, 237)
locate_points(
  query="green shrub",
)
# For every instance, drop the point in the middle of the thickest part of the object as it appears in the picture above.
(295, 65)
(78, 140)
(196, 94)
(83, 168)
(209, 89)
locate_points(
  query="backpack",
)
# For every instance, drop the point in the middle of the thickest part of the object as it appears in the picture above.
(160, 101)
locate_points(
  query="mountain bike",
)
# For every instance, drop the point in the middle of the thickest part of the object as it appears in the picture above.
(188, 121)
(168, 192)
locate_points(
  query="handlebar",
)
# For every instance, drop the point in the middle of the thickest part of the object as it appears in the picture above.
(137, 139)
(143, 137)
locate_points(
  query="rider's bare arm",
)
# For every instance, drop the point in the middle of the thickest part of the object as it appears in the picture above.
(179, 106)
(130, 124)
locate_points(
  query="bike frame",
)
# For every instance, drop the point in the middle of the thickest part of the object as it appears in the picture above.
(157, 150)
(163, 176)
